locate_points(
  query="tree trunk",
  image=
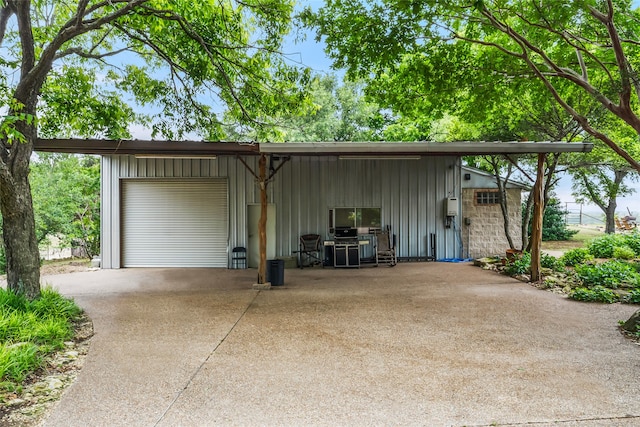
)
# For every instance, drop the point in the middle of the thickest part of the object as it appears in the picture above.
(610, 217)
(526, 220)
(21, 245)
(262, 224)
(536, 226)
(18, 220)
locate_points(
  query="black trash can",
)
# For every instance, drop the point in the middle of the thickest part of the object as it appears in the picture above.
(275, 272)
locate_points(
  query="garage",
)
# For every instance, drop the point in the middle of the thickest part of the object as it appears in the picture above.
(174, 222)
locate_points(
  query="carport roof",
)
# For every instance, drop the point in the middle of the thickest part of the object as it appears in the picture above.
(355, 149)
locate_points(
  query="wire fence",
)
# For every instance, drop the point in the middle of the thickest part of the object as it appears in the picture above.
(575, 215)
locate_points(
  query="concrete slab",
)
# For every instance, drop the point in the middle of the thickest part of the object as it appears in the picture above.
(418, 344)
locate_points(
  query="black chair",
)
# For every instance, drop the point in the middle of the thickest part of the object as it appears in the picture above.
(310, 250)
(386, 248)
(239, 257)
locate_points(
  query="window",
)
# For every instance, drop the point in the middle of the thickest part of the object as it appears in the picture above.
(354, 218)
(487, 197)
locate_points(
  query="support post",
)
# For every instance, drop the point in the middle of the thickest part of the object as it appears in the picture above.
(262, 224)
(536, 226)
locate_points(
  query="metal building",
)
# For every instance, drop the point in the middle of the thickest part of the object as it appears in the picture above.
(188, 203)
(191, 212)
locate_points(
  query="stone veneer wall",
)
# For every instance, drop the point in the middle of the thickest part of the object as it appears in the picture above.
(485, 235)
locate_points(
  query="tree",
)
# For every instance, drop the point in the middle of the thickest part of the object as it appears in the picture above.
(554, 226)
(179, 56)
(335, 112)
(589, 45)
(600, 177)
(340, 112)
(66, 198)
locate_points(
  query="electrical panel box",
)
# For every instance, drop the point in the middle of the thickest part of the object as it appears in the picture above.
(452, 206)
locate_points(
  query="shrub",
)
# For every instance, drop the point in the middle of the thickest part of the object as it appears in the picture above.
(623, 252)
(595, 294)
(576, 256)
(609, 274)
(602, 247)
(633, 297)
(554, 226)
(549, 261)
(520, 264)
(632, 241)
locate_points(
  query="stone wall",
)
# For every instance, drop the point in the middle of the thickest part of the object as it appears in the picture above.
(484, 236)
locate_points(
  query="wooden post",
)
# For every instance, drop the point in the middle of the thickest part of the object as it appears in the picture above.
(262, 224)
(536, 226)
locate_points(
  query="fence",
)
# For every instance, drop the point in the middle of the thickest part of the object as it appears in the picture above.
(575, 215)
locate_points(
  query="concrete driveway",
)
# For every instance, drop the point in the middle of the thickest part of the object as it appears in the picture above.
(424, 344)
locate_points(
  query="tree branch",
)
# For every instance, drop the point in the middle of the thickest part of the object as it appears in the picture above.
(5, 14)
(621, 59)
(87, 54)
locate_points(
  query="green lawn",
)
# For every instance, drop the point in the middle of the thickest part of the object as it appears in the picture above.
(579, 240)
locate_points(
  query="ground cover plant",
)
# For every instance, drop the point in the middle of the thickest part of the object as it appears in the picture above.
(30, 330)
(606, 270)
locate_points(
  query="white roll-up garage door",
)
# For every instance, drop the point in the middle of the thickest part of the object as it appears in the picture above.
(174, 223)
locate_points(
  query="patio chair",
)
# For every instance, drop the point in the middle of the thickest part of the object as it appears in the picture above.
(310, 250)
(239, 257)
(386, 248)
(628, 223)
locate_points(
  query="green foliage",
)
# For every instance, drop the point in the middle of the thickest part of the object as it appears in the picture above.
(632, 240)
(31, 330)
(602, 247)
(492, 63)
(16, 362)
(520, 264)
(610, 274)
(595, 294)
(52, 304)
(623, 252)
(577, 256)
(336, 112)
(549, 261)
(553, 223)
(66, 199)
(633, 297)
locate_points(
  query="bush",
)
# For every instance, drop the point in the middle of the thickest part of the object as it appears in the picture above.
(595, 294)
(623, 252)
(609, 274)
(602, 247)
(633, 297)
(576, 257)
(548, 261)
(520, 264)
(632, 241)
(554, 226)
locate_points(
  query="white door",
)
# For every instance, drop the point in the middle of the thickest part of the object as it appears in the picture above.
(174, 223)
(253, 250)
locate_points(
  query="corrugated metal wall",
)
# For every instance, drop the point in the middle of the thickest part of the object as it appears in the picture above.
(410, 193)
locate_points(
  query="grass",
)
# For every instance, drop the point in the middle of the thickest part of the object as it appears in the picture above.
(29, 330)
(579, 240)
